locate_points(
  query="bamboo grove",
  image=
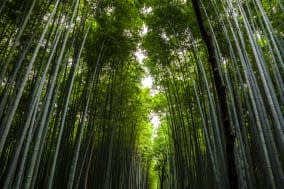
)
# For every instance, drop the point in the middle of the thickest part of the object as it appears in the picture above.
(74, 114)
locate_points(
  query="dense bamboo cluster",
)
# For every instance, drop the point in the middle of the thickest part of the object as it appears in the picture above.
(73, 113)
(220, 66)
(71, 110)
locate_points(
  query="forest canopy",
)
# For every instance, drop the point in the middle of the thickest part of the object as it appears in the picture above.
(75, 111)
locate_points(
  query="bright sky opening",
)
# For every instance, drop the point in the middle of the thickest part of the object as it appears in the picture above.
(155, 121)
(147, 82)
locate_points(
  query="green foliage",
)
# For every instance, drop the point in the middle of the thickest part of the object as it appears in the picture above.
(74, 114)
